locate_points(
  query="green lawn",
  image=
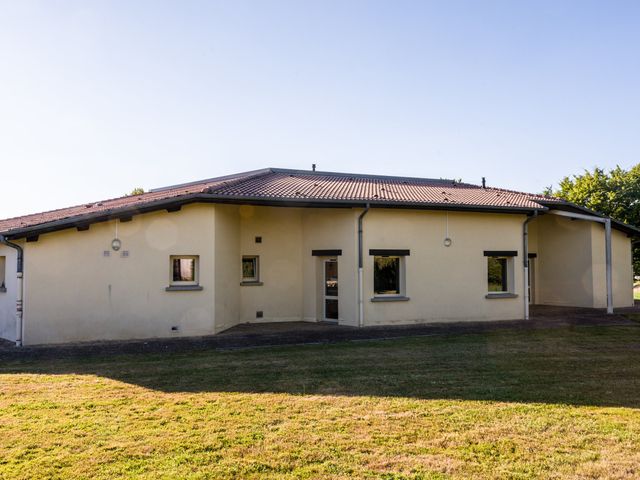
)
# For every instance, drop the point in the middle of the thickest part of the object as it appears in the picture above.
(636, 294)
(557, 403)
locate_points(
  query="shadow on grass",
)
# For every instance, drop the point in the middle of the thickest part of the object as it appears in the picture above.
(597, 366)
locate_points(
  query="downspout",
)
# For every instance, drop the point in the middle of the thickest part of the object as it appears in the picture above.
(19, 275)
(609, 261)
(360, 263)
(525, 254)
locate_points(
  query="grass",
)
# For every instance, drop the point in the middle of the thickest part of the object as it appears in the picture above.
(557, 403)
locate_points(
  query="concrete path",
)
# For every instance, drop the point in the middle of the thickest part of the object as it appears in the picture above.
(292, 333)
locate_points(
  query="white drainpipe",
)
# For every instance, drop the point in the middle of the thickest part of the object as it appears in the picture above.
(19, 288)
(609, 261)
(525, 254)
(360, 263)
(607, 246)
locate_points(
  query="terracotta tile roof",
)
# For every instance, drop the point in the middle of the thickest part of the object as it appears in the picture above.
(121, 203)
(296, 185)
(293, 186)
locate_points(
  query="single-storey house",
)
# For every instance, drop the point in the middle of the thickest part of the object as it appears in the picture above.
(278, 245)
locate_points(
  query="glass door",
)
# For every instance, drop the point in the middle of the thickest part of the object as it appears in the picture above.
(331, 290)
(532, 281)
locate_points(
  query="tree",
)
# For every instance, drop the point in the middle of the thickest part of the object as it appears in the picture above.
(615, 193)
(136, 191)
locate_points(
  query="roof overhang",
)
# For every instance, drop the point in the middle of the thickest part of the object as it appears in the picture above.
(571, 207)
(125, 213)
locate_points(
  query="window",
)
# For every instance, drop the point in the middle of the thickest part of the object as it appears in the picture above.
(386, 275)
(3, 267)
(389, 274)
(500, 273)
(184, 270)
(250, 269)
(497, 274)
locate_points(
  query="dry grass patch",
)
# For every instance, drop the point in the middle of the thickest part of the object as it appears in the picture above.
(559, 403)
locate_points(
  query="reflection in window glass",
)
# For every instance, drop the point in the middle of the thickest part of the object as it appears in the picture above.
(184, 269)
(249, 269)
(386, 275)
(331, 278)
(497, 274)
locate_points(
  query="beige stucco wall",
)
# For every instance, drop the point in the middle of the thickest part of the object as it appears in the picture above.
(622, 255)
(77, 294)
(330, 229)
(622, 267)
(74, 293)
(280, 296)
(290, 276)
(8, 298)
(226, 294)
(570, 265)
(565, 276)
(443, 283)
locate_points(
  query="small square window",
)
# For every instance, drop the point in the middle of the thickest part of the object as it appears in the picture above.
(387, 279)
(184, 270)
(250, 268)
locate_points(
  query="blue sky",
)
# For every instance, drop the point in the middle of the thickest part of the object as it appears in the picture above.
(99, 97)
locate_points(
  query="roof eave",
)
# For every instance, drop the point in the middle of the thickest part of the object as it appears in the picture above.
(625, 227)
(350, 203)
(116, 213)
(97, 217)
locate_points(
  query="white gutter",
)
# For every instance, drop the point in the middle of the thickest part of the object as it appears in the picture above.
(525, 254)
(607, 246)
(19, 288)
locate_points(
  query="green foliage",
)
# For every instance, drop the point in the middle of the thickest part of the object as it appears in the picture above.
(615, 193)
(136, 191)
(496, 274)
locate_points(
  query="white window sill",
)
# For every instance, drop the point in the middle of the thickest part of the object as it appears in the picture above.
(391, 298)
(183, 288)
(501, 295)
(251, 284)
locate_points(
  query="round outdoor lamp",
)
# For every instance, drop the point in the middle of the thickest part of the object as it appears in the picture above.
(116, 244)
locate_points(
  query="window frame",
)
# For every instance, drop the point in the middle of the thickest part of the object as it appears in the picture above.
(256, 267)
(505, 277)
(196, 271)
(508, 274)
(401, 278)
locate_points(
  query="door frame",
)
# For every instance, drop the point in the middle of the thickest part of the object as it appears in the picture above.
(326, 297)
(532, 280)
